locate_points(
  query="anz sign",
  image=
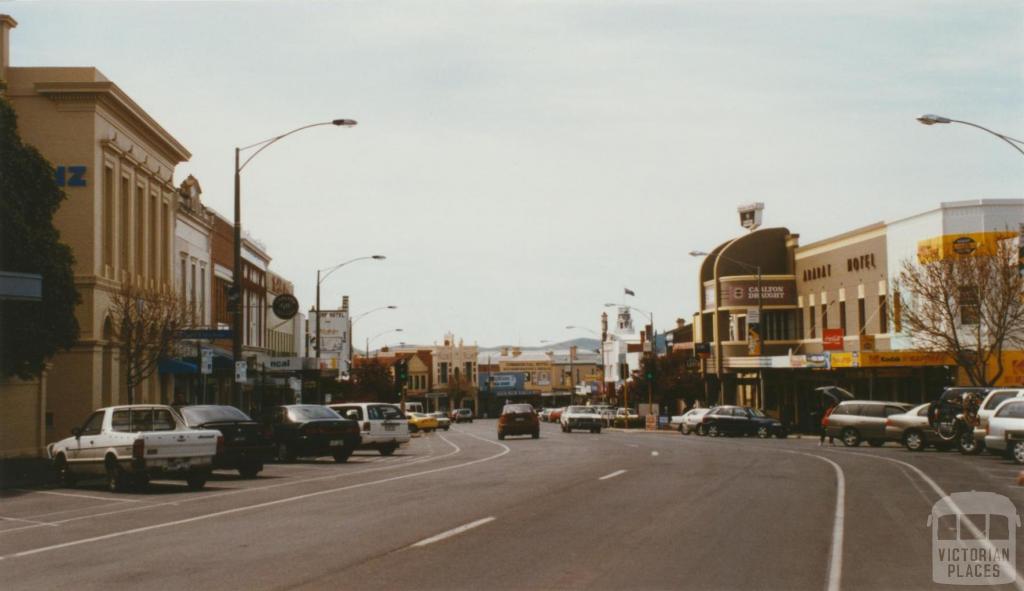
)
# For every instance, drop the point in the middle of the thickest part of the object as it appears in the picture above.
(70, 176)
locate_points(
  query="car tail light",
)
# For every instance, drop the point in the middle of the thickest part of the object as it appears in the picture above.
(824, 423)
(888, 422)
(366, 426)
(139, 449)
(220, 444)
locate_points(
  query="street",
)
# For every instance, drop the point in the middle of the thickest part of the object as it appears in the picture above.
(461, 510)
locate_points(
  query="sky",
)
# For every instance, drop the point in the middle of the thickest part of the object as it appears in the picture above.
(521, 163)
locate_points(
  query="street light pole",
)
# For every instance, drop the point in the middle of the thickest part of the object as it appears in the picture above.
(929, 119)
(235, 291)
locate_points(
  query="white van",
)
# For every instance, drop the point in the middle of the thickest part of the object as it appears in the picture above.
(414, 407)
(382, 426)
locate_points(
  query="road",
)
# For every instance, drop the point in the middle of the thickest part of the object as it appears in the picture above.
(462, 510)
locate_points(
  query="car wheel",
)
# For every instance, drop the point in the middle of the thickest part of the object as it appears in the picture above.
(249, 471)
(913, 441)
(568, 429)
(65, 478)
(387, 450)
(850, 437)
(116, 478)
(701, 431)
(501, 435)
(448, 427)
(712, 430)
(342, 456)
(1017, 451)
(969, 446)
(781, 435)
(536, 434)
(197, 480)
(684, 429)
(285, 454)
(413, 428)
(876, 442)
(597, 430)
(763, 433)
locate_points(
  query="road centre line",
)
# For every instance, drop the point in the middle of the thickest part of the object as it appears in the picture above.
(612, 475)
(418, 460)
(978, 534)
(452, 532)
(63, 494)
(206, 516)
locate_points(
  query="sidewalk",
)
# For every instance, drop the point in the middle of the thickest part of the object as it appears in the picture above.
(25, 472)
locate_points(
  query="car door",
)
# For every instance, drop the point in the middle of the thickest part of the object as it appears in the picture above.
(872, 421)
(743, 423)
(75, 452)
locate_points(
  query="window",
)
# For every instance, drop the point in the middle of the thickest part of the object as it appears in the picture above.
(873, 410)
(1014, 410)
(824, 316)
(897, 312)
(167, 241)
(842, 315)
(94, 424)
(126, 221)
(202, 294)
(968, 302)
(140, 232)
(860, 315)
(812, 321)
(883, 315)
(444, 372)
(154, 240)
(192, 290)
(184, 278)
(108, 215)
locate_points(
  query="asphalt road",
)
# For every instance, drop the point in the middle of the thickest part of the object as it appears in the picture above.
(462, 510)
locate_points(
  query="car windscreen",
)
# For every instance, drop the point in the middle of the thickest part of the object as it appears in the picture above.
(383, 412)
(1012, 410)
(199, 415)
(310, 412)
(996, 398)
(757, 412)
(580, 410)
(516, 409)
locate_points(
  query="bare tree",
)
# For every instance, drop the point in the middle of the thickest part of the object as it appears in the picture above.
(969, 306)
(146, 324)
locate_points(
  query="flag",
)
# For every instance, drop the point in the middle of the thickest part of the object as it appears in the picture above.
(628, 291)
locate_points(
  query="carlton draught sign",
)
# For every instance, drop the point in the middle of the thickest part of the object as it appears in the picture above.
(743, 292)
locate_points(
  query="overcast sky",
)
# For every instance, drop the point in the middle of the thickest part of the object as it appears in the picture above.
(519, 163)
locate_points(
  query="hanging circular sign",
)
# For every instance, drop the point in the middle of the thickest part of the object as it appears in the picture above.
(964, 245)
(285, 306)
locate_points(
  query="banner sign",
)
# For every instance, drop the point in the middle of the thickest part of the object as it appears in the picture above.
(832, 339)
(205, 334)
(742, 293)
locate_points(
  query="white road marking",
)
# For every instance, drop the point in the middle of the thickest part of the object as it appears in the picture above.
(978, 535)
(654, 453)
(217, 495)
(37, 523)
(612, 475)
(452, 532)
(61, 494)
(835, 563)
(293, 499)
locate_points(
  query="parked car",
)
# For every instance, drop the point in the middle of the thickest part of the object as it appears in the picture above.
(311, 431)
(245, 447)
(518, 419)
(854, 421)
(462, 415)
(382, 426)
(689, 421)
(626, 413)
(555, 415)
(580, 417)
(420, 422)
(741, 420)
(993, 399)
(606, 412)
(912, 429)
(443, 422)
(1005, 430)
(545, 414)
(131, 444)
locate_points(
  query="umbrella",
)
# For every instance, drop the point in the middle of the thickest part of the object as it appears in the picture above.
(836, 393)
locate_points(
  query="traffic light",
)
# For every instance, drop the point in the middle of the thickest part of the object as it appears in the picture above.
(402, 371)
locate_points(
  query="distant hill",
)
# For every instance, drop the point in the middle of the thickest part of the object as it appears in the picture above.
(581, 343)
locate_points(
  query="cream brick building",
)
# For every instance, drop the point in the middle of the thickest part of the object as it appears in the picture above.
(116, 164)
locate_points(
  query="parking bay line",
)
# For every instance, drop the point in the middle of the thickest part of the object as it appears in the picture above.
(452, 532)
(506, 450)
(612, 475)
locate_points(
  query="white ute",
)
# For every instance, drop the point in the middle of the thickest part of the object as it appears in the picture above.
(131, 444)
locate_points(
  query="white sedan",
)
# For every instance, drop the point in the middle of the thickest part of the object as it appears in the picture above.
(689, 421)
(1005, 431)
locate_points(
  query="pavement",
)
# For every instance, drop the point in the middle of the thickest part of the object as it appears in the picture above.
(462, 510)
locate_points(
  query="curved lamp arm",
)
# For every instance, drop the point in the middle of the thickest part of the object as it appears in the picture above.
(267, 142)
(933, 119)
(329, 270)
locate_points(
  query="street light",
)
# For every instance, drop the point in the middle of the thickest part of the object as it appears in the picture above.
(320, 279)
(235, 291)
(388, 307)
(760, 320)
(929, 119)
(380, 334)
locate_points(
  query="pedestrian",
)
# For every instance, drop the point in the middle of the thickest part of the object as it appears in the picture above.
(824, 422)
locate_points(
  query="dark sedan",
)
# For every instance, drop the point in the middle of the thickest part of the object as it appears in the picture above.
(311, 431)
(741, 420)
(245, 447)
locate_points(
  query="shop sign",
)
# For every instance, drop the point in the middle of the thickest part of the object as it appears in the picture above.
(964, 245)
(817, 361)
(743, 292)
(904, 359)
(832, 339)
(284, 363)
(843, 360)
(70, 176)
(867, 342)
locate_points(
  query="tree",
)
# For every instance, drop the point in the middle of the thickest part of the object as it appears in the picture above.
(32, 332)
(458, 389)
(146, 325)
(968, 306)
(372, 382)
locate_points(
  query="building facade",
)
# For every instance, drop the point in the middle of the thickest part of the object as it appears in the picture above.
(116, 164)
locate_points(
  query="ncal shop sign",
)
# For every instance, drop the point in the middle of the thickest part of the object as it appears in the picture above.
(743, 292)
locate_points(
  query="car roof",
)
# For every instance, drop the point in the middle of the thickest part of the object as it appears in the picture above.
(889, 402)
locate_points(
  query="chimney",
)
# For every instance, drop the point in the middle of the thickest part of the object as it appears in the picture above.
(504, 351)
(344, 305)
(604, 326)
(6, 24)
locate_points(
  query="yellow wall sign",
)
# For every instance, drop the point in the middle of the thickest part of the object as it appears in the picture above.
(950, 245)
(888, 359)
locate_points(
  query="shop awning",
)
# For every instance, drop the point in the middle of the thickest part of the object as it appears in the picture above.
(177, 366)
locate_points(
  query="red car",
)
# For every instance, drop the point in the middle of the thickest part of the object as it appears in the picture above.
(518, 419)
(555, 415)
